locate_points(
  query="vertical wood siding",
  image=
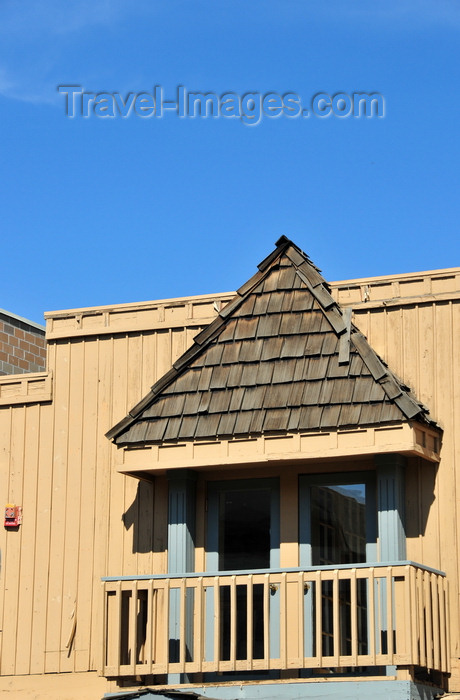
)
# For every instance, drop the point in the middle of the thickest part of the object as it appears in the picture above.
(421, 343)
(81, 518)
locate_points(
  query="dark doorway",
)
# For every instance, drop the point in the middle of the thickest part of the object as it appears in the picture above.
(243, 532)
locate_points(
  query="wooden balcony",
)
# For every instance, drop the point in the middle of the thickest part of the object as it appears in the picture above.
(342, 618)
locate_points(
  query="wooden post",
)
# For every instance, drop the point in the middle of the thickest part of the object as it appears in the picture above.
(390, 502)
(391, 529)
(181, 558)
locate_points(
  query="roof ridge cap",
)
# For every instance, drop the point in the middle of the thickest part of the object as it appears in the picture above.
(281, 245)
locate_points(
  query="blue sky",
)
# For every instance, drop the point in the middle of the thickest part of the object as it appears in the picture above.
(101, 211)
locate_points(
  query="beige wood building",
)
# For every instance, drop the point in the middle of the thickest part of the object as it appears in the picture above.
(239, 496)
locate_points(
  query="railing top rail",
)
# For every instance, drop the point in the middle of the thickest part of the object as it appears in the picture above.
(245, 572)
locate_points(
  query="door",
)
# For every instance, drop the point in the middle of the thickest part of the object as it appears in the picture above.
(242, 536)
(337, 526)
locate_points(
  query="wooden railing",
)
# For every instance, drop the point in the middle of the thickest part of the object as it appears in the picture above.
(326, 618)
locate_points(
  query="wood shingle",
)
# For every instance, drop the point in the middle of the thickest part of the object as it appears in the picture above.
(280, 357)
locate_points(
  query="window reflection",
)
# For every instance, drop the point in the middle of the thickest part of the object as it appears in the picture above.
(338, 524)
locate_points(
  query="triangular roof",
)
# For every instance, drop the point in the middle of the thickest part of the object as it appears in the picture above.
(281, 356)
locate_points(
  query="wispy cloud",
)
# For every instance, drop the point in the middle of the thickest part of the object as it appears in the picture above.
(5, 83)
(36, 38)
(55, 17)
(21, 85)
(41, 43)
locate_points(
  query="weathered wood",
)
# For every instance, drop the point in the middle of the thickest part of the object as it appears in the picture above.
(307, 270)
(372, 362)
(408, 406)
(253, 282)
(281, 245)
(335, 319)
(344, 340)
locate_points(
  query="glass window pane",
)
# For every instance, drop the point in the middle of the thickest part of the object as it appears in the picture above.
(244, 529)
(338, 524)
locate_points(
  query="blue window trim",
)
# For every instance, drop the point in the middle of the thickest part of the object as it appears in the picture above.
(306, 481)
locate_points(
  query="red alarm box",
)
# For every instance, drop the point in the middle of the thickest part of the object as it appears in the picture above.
(13, 515)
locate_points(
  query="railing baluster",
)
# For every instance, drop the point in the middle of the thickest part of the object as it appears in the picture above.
(389, 621)
(132, 627)
(429, 622)
(435, 607)
(266, 585)
(407, 611)
(421, 616)
(378, 596)
(166, 592)
(442, 625)
(354, 617)
(413, 618)
(182, 625)
(217, 645)
(105, 628)
(198, 625)
(283, 622)
(336, 617)
(301, 588)
(371, 630)
(319, 617)
(150, 637)
(117, 634)
(401, 608)
(249, 622)
(447, 618)
(233, 622)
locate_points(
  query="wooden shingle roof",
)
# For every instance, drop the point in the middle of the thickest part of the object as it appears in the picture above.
(281, 356)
